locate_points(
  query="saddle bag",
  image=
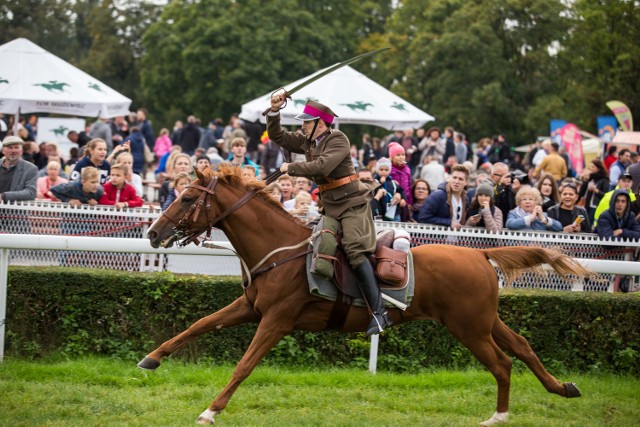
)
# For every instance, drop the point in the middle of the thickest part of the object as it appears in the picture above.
(325, 245)
(391, 265)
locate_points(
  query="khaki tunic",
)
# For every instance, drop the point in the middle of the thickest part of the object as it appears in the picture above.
(349, 203)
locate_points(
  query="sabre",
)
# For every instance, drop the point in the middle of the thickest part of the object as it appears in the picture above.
(288, 93)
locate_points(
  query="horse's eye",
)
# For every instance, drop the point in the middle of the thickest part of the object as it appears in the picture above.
(187, 200)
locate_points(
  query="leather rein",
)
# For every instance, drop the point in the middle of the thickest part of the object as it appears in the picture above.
(183, 234)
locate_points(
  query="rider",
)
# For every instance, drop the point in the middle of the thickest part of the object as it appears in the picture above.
(343, 196)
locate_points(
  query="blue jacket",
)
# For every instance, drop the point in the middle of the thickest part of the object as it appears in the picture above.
(437, 210)
(609, 221)
(519, 220)
(247, 162)
(137, 151)
(73, 190)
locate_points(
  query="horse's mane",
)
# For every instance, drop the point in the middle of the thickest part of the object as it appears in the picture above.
(231, 175)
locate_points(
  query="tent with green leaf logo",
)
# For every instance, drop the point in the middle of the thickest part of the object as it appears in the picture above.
(33, 80)
(354, 97)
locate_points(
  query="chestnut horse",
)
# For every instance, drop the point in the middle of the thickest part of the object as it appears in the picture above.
(453, 285)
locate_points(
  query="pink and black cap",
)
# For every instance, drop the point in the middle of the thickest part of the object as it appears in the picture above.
(314, 110)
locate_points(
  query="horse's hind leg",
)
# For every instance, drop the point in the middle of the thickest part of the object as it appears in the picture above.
(520, 348)
(269, 332)
(479, 342)
(236, 313)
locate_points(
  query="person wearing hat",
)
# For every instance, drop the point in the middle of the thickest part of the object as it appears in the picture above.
(342, 195)
(482, 211)
(17, 176)
(625, 182)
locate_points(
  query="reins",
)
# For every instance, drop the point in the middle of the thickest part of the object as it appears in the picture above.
(183, 235)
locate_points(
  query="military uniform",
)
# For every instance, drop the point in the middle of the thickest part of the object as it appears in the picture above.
(342, 195)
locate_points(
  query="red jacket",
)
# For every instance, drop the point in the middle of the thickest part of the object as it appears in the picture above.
(127, 194)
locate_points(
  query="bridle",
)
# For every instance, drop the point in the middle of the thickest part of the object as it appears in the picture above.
(183, 231)
(183, 234)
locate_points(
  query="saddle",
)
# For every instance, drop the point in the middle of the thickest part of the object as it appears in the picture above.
(389, 264)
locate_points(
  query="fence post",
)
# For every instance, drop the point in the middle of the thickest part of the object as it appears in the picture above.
(4, 280)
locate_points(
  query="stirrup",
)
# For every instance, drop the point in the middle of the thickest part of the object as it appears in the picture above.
(378, 322)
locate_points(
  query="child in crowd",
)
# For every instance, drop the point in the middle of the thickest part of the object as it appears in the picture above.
(286, 187)
(86, 190)
(248, 173)
(483, 212)
(118, 192)
(304, 207)
(177, 186)
(134, 179)
(401, 173)
(202, 162)
(274, 191)
(96, 153)
(163, 143)
(390, 196)
(53, 178)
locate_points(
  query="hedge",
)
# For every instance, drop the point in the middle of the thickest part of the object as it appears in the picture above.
(75, 312)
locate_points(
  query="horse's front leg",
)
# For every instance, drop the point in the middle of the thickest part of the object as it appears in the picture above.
(236, 313)
(270, 331)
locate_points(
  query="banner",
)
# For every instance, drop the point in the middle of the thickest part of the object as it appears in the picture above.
(555, 125)
(623, 114)
(607, 127)
(572, 142)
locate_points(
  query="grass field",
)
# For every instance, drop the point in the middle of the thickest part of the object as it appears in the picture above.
(104, 392)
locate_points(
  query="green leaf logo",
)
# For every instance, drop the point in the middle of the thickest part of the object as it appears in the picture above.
(95, 86)
(359, 105)
(399, 106)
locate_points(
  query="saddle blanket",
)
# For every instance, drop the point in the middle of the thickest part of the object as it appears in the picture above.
(325, 287)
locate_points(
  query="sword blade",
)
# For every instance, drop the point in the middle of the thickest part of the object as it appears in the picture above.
(331, 69)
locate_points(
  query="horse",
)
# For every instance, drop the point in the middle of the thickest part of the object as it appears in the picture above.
(453, 285)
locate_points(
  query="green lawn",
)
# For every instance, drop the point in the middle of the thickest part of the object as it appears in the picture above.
(104, 392)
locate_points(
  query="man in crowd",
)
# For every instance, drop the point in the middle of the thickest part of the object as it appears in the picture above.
(17, 176)
(619, 167)
(504, 196)
(553, 163)
(625, 181)
(238, 156)
(618, 222)
(447, 206)
(145, 128)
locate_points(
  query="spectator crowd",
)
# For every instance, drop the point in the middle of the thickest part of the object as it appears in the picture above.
(417, 175)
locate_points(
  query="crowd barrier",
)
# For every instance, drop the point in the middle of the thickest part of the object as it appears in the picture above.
(60, 219)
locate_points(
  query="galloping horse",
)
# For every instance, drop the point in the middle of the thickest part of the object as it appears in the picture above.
(455, 286)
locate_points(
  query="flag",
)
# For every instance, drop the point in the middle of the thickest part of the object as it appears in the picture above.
(554, 126)
(607, 126)
(572, 142)
(623, 114)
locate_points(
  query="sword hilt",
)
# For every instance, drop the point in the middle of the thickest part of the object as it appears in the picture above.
(286, 96)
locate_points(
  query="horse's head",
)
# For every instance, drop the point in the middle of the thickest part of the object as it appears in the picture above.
(188, 216)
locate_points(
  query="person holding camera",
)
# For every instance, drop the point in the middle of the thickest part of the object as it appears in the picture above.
(504, 197)
(574, 219)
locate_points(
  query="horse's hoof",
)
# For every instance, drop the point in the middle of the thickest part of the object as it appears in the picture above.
(148, 364)
(206, 418)
(204, 422)
(572, 390)
(497, 418)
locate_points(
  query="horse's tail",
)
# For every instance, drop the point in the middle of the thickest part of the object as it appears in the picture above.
(515, 260)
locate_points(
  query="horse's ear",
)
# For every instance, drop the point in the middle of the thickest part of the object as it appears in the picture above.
(199, 175)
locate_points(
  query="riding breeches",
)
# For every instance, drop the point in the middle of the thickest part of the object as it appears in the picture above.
(358, 233)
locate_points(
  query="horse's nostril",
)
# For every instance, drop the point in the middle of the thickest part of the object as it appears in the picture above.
(152, 235)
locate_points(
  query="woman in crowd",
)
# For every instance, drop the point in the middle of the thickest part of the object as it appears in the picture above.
(549, 190)
(181, 163)
(95, 156)
(274, 191)
(44, 183)
(420, 190)
(482, 212)
(574, 219)
(595, 183)
(528, 214)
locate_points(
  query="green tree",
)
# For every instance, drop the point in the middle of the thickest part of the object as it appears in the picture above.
(209, 57)
(601, 59)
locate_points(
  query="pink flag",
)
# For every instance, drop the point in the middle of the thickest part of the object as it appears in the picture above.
(572, 141)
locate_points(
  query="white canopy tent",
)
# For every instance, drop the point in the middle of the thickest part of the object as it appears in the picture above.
(33, 80)
(354, 97)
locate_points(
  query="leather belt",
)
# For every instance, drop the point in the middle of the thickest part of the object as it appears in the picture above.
(338, 182)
